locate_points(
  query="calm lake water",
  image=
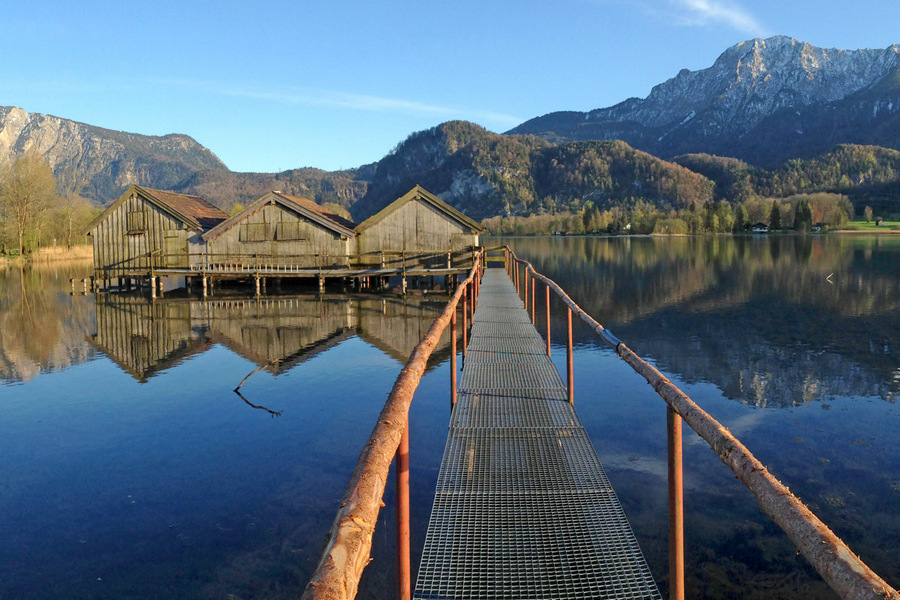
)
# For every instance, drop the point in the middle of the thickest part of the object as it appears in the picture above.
(130, 469)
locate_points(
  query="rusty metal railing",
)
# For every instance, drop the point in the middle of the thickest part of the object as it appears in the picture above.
(349, 542)
(841, 569)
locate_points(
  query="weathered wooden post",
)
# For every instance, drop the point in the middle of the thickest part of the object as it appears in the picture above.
(676, 506)
(472, 298)
(153, 287)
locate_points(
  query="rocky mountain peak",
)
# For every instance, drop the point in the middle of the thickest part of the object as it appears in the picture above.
(715, 109)
(102, 162)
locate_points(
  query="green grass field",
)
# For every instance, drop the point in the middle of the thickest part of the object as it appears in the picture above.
(861, 225)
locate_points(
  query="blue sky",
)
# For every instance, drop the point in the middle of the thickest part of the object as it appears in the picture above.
(270, 85)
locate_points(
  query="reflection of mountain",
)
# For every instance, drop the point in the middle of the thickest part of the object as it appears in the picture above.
(42, 327)
(781, 320)
(275, 332)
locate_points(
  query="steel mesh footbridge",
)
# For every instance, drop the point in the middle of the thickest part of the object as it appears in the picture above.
(522, 508)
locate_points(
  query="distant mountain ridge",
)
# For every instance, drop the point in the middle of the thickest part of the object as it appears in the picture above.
(102, 160)
(763, 101)
(770, 117)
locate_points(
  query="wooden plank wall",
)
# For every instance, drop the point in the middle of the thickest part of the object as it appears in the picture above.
(117, 253)
(417, 227)
(316, 240)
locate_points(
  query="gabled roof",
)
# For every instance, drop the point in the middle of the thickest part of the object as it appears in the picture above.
(419, 193)
(195, 212)
(306, 208)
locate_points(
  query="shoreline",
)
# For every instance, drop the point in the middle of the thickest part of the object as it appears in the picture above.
(83, 252)
(889, 232)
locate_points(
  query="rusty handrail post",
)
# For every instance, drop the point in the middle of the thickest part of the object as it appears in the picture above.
(472, 300)
(843, 571)
(547, 292)
(676, 505)
(404, 570)
(525, 290)
(570, 367)
(453, 359)
(349, 540)
(465, 327)
(532, 300)
(475, 283)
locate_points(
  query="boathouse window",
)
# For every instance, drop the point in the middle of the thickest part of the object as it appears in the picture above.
(136, 221)
(289, 230)
(253, 232)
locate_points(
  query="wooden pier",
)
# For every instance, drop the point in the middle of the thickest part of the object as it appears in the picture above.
(523, 508)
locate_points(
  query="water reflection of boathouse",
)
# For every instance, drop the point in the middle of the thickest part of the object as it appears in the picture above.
(277, 333)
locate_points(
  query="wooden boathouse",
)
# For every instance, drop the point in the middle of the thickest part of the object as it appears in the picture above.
(150, 235)
(284, 229)
(419, 227)
(146, 229)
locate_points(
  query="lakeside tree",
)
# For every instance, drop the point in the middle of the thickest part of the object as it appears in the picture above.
(71, 212)
(741, 218)
(27, 192)
(803, 219)
(867, 213)
(775, 216)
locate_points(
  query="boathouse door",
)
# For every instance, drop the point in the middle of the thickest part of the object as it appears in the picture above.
(176, 251)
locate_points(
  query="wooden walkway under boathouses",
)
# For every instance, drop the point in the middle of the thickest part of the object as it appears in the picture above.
(522, 507)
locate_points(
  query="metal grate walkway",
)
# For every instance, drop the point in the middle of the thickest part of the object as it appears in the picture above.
(523, 508)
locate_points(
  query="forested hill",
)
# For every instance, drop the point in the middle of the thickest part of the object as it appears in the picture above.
(866, 174)
(485, 174)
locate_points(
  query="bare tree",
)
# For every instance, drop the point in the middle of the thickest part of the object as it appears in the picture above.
(74, 211)
(27, 191)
